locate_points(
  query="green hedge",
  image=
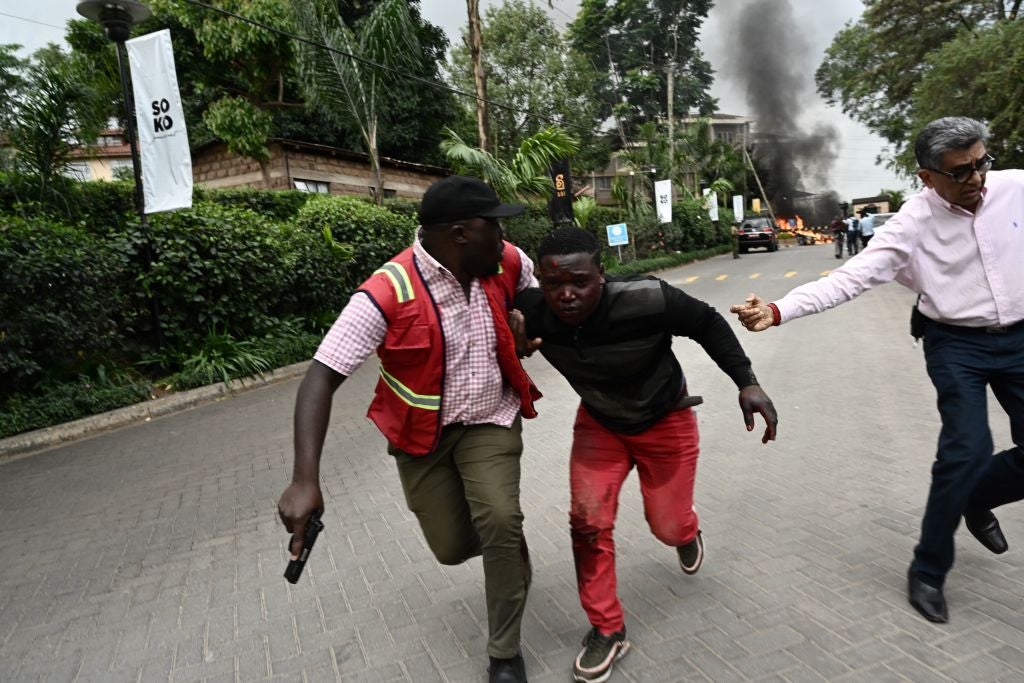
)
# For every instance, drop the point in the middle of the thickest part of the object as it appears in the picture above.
(108, 206)
(61, 299)
(75, 291)
(245, 280)
(58, 403)
(372, 233)
(213, 267)
(690, 230)
(656, 263)
(279, 205)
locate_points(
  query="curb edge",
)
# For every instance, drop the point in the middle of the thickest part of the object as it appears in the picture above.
(30, 443)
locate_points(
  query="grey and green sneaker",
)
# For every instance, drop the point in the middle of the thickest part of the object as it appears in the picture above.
(595, 661)
(691, 555)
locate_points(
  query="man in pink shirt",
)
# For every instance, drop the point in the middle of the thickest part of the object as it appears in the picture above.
(449, 399)
(959, 243)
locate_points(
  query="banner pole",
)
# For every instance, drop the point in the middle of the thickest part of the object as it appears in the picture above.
(140, 206)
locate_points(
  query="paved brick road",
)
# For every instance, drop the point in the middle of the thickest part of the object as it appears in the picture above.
(153, 553)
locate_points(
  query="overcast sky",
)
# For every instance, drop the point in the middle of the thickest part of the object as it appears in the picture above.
(33, 24)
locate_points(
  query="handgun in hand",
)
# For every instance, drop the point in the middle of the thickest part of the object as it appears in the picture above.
(313, 528)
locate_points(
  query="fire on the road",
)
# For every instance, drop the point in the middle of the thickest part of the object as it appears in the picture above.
(795, 225)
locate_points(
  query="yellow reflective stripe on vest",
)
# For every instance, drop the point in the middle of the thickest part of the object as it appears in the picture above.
(424, 401)
(399, 279)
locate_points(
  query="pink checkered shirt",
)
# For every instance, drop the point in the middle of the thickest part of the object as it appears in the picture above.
(474, 391)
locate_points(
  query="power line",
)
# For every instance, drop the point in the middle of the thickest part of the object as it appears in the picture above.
(376, 65)
(31, 21)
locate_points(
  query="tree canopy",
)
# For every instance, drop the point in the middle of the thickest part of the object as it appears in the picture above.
(241, 83)
(50, 109)
(345, 83)
(530, 68)
(636, 44)
(906, 62)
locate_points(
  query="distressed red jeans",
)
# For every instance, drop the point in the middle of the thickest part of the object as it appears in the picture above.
(665, 456)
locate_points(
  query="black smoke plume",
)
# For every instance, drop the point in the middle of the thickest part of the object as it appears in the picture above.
(771, 59)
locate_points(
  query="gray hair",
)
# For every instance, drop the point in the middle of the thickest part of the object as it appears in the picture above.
(945, 134)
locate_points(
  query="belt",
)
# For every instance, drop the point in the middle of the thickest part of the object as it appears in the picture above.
(990, 329)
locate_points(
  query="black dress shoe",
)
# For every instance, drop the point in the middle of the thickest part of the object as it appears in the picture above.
(928, 600)
(511, 670)
(984, 526)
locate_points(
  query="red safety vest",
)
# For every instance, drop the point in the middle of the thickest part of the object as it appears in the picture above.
(406, 406)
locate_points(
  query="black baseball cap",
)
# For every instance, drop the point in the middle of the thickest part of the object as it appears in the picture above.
(460, 197)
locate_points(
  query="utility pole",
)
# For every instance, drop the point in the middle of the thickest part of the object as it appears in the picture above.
(476, 49)
(671, 73)
(670, 105)
(759, 185)
(615, 82)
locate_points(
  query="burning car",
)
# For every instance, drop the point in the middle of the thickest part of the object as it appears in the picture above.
(795, 225)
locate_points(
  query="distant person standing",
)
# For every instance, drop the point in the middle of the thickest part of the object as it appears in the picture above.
(852, 235)
(837, 228)
(867, 228)
(735, 240)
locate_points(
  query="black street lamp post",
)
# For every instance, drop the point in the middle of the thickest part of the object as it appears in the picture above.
(117, 18)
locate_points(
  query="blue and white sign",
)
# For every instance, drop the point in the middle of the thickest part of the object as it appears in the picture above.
(617, 235)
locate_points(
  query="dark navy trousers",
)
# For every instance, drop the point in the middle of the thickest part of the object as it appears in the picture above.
(961, 363)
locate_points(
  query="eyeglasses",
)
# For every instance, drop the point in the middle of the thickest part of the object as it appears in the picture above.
(962, 174)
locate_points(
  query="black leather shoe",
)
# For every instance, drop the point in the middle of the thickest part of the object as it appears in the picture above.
(928, 600)
(507, 670)
(984, 526)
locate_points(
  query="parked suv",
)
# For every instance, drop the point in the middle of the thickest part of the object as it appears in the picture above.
(758, 231)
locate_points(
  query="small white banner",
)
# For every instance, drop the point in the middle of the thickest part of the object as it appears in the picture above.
(160, 121)
(737, 206)
(711, 203)
(663, 192)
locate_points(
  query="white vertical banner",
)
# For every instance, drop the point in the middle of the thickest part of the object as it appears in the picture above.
(737, 206)
(711, 203)
(663, 193)
(163, 141)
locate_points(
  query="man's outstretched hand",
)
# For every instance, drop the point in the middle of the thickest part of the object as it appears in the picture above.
(754, 314)
(754, 400)
(524, 347)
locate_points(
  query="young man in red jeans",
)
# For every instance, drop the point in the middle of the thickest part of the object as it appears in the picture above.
(612, 340)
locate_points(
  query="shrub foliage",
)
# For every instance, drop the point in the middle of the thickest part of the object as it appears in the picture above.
(244, 281)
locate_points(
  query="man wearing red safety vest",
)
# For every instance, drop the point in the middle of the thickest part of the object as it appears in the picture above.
(449, 399)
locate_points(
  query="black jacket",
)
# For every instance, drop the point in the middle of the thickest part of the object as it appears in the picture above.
(620, 359)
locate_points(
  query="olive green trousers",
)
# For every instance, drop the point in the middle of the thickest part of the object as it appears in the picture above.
(466, 497)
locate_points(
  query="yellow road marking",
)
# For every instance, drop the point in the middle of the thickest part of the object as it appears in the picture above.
(825, 272)
(791, 273)
(721, 277)
(755, 276)
(692, 278)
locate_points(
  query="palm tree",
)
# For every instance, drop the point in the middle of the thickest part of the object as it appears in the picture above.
(526, 176)
(708, 158)
(582, 209)
(895, 197)
(57, 108)
(347, 89)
